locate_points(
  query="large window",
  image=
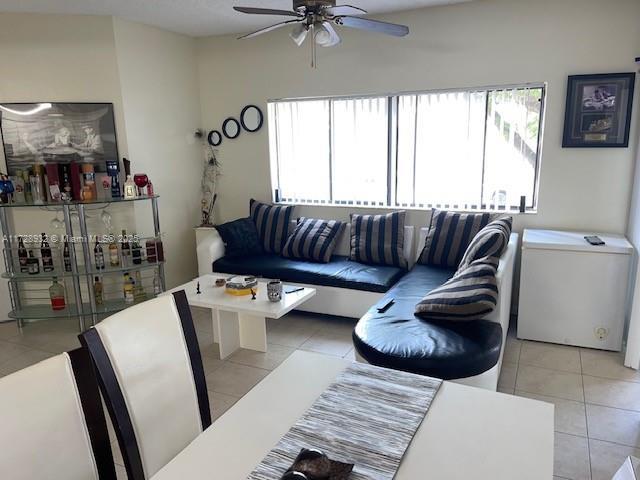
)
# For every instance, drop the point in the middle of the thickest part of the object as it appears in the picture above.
(468, 149)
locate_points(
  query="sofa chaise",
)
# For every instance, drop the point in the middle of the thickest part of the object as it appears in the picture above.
(467, 352)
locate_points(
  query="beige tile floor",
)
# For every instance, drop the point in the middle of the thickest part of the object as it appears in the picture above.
(597, 400)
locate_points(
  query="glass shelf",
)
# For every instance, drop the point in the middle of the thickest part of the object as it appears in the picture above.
(74, 203)
(78, 286)
(81, 272)
(44, 311)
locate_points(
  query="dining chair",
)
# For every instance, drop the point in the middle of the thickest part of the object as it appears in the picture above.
(152, 379)
(52, 423)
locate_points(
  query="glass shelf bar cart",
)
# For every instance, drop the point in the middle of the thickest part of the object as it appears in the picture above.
(29, 298)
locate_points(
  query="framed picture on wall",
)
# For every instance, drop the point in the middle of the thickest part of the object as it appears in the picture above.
(598, 110)
(57, 133)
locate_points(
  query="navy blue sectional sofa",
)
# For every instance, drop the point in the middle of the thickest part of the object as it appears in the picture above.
(469, 352)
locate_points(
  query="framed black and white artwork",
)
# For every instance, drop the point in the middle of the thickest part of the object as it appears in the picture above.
(57, 132)
(598, 110)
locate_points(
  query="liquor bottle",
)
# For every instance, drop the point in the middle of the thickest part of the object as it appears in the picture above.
(45, 253)
(143, 253)
(136, 255)
(66, 256)
(23, 256)
(125, 280)
(114, 258)
(28, 198)
(130, 188)
(99, 256)
(56, 294)
(37, 184)
(126, 250)
(33, 264)
(97, 291)
(157, 283)
(128, 288)
(113, 171)
(18, 185)
(155, 250)
(150, 189)
(65, 183)
(89, 178)
(139, 294)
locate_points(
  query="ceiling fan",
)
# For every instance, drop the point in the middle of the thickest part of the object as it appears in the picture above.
(318, 17)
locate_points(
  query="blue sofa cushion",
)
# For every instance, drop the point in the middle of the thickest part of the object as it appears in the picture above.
(240, 238)
(449, 236)
(471, 294)
(339, 272)
(378, 239)
(272, 222)
(313, 240)
(400, 340)
(491, 241)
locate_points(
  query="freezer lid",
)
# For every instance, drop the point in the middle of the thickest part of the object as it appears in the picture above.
(574, 241)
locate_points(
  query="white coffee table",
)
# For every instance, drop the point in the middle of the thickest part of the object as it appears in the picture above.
(241, 321)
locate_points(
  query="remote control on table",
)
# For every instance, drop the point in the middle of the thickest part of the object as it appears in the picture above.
(594, 240)
(386, 306)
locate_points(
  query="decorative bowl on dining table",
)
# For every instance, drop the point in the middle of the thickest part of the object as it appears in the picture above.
(312, 464)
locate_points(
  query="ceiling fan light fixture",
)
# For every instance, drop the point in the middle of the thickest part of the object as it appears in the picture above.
(326, 35)
(299, 33)
(320, 16)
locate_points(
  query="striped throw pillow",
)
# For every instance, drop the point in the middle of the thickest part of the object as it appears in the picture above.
(272, 223)
(491, 241)
(313, 240)
(378, 239)
(470, 295)
(449, 236)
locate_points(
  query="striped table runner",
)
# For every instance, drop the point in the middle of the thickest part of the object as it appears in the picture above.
(367, 417)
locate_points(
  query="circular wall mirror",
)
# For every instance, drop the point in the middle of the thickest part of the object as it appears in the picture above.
(251, 118)
(214, 138)
(231, 128)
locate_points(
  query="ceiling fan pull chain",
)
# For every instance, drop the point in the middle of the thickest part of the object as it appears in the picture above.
(314, 62)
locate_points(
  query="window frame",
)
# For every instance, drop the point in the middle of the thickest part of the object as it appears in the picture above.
(393, 132)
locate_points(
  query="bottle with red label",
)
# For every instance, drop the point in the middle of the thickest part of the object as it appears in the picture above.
(56, 294)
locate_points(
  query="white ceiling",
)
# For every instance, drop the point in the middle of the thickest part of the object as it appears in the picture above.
(195, 17)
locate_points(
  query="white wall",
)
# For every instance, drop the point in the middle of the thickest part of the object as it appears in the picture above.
(61, 58)
(158, 80)
(633, 233)
(481, 43)
(70, 58)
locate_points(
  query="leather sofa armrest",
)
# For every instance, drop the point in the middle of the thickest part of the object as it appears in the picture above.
(209, 248)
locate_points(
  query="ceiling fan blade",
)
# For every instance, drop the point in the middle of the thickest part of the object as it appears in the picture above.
(345, 10)
(372, 25)
(266, 11)
(268, 29)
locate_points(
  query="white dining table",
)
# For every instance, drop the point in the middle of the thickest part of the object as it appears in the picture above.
(468, 432)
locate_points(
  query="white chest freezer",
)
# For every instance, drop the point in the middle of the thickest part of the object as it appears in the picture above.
(572, 292)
